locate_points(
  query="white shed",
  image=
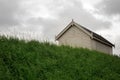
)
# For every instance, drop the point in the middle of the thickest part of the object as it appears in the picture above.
(76, 35)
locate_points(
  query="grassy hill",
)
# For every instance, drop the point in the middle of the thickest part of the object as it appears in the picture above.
(21, 60)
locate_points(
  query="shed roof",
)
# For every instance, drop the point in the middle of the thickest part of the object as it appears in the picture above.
(92, 34)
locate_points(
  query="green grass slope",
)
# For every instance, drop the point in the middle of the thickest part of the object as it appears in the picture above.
(21, 60)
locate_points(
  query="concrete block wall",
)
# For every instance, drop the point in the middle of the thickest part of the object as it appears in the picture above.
(75, 38)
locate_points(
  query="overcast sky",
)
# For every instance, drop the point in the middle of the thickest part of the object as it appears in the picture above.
(43, 19)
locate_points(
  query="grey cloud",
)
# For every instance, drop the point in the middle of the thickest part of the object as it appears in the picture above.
(51, 27)
(8, 10)
(83, 17)
(110, 7)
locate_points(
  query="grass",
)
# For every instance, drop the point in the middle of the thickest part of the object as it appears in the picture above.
(21, 60)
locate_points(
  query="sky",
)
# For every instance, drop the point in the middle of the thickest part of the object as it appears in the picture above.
(44, 19)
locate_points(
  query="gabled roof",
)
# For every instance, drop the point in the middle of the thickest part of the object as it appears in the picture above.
(90, 33)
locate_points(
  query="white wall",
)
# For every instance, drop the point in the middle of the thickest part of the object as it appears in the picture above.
(101, 47)
(75, 38)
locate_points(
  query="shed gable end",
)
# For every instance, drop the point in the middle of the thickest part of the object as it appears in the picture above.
(75, 37)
